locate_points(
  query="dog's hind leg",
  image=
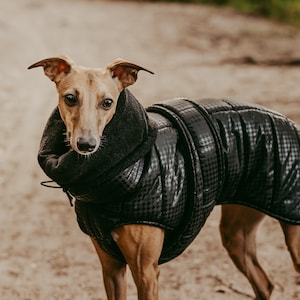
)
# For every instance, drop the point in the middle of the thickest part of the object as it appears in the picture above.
(292, 240)
(238, 229)
(114, 274)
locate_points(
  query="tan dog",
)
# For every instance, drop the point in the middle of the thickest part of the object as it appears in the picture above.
(87, 102)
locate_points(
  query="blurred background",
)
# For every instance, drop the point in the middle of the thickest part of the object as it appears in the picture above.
(243, 50)
(286, 11)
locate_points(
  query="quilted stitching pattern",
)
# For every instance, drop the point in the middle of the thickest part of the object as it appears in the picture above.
(207, 152)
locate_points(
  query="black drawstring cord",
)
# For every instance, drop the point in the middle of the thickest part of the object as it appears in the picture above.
(49, 184)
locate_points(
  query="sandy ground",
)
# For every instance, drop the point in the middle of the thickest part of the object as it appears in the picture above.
(195, 52)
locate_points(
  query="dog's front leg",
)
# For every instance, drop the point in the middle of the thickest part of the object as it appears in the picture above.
(141, 246)
(114, 274)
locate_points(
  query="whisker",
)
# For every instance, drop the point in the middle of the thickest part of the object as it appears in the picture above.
(103, 142)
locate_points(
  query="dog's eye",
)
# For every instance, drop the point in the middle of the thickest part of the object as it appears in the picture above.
(70, 99)
(106, 104)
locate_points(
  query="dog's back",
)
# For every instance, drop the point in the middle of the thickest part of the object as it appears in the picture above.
(258, 154)
(261, 154)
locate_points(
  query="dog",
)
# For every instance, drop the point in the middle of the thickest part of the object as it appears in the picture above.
(100, 145)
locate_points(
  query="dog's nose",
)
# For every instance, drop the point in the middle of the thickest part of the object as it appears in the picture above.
(86, 144)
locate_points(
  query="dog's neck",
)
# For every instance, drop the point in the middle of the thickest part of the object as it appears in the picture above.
(127, 138)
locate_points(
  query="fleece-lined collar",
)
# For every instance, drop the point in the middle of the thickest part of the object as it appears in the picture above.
(128, 137)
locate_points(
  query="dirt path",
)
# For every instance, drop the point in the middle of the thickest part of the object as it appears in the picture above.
(195, 52)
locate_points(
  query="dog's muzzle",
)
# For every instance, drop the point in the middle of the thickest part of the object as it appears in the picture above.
(86, 145)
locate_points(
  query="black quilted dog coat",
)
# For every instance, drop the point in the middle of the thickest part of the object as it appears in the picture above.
(170, 166)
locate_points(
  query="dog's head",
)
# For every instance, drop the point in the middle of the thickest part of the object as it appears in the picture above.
(88, 97)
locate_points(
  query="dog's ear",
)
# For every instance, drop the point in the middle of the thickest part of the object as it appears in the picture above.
(125, 71)
(55, 67)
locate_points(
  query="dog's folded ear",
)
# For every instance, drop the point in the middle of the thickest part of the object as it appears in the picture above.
(125, 71)
(55, 67)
